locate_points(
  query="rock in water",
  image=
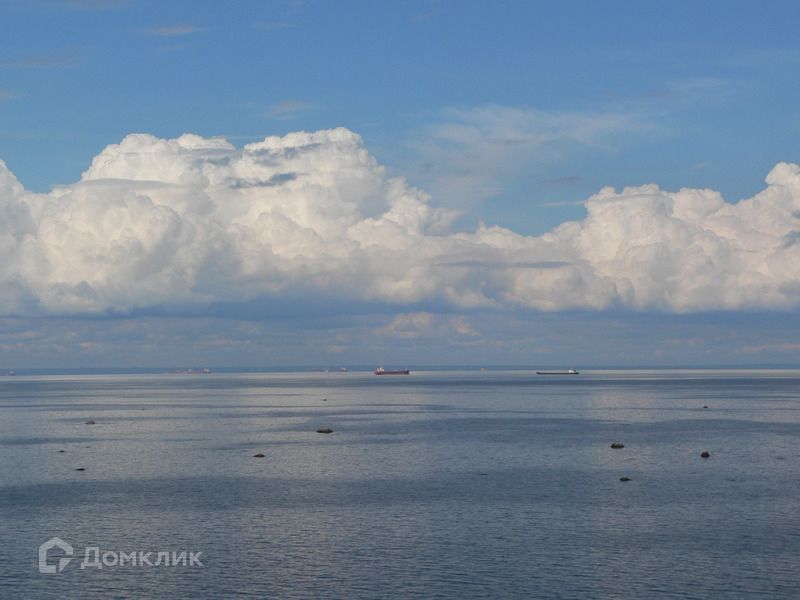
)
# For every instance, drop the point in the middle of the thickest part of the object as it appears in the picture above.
(325, 430)
(617, 445)
(705, 454)
(624, 478)
(259, 455)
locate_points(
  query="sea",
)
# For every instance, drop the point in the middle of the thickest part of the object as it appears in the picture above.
(437, 484)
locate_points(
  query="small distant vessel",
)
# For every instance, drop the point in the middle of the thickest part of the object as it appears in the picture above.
(568, 372)
(382, 371)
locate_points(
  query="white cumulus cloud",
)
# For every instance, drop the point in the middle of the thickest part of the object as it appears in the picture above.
(193, 221)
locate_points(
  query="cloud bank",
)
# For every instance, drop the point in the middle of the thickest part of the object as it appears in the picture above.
(194, 222)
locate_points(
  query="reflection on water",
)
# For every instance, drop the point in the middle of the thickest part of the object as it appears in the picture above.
(438, 484)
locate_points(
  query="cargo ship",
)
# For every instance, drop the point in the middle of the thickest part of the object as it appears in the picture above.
(568, 372)
(382, 371)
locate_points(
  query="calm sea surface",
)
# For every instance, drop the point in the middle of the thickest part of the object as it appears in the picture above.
(433, 485)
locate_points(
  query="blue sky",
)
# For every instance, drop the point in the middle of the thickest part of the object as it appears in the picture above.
(507, 114)
(709, 92)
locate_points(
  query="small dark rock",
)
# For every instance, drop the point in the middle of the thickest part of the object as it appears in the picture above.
(324, 399)
(80, 469)
(704, 406)
(61, 451)
(325, 430)
(259, 455)
(624, 478)
(91, 422)
(617, 445)
(705, 454)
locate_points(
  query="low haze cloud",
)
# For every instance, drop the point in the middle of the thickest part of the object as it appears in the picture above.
(193, 222)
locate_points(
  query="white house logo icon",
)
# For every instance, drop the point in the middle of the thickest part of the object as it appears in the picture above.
(62, 562)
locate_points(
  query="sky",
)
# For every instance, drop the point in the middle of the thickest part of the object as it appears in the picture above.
(315, 183)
